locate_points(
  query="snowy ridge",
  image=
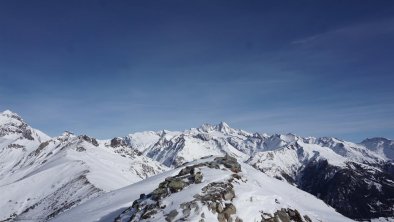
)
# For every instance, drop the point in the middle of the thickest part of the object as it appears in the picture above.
(70, 176)
(175, 148)
(250, 195)
(44, 179)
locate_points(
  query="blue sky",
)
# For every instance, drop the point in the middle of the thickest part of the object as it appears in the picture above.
(108, 68)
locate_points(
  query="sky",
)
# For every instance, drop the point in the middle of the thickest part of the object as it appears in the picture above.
(109, 68)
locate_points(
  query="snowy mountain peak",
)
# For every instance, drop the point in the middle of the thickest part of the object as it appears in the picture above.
(9, 116)
(221, 127)
(206, 127)
(8, 112)
(12, 124)
(67, 134)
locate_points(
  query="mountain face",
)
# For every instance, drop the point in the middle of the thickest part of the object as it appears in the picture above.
(79, 178)
(382, 146)
(41, 177)
(349, 177)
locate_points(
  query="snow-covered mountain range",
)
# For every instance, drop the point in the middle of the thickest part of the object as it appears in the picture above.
(210, 173)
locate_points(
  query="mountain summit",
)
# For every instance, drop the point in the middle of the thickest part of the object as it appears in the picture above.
(210, 173)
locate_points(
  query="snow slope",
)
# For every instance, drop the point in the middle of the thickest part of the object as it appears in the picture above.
(254, 194)
(39, 179)
(43, 177)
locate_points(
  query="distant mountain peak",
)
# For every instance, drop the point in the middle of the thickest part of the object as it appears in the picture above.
(67, 133)
(223, 124)
(221, 127)
(8, 113)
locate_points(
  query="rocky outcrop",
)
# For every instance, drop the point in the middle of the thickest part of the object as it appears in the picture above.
(229, 162)
(89, 140)
(285, 215)
(215, 195)
(15, 146)
(150, 204)
(218, 196)
(117, 142)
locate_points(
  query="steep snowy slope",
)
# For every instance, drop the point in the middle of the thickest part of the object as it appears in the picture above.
(210, 189)
(40, 180)
(17, 139)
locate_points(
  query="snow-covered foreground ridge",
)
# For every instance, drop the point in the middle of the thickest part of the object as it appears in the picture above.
(80, 178)
(210, 189)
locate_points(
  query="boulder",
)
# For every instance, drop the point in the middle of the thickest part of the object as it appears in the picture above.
(228, 195)
(176, 185)
(229, 210)
(171, 216)
(197, 177)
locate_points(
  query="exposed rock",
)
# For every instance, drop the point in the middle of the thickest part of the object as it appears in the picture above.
(117, 142)
(198, 177)
(176, 185)
(229, 195)
(284, 215)
(307, 219)
(80, 149)
(229, 210)
(149, 204)
(215, 195)
(219, 208)
(15, 146)
(221, 218)
(204, 136)
(229, 162)
(186, 170)
(171, 216)
(159, 193)
(89, 140)
(27, 134)
(39, 149)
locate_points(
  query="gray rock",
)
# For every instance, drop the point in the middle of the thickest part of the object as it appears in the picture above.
(237, 219)
(229, 162)
(198, 177)
(159, 193)
(176, 185)
(219, 208)
(229, 210)
(221, 218)
(171, 216)
(229, 195)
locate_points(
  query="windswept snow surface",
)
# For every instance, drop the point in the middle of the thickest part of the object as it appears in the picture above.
(254, 194)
